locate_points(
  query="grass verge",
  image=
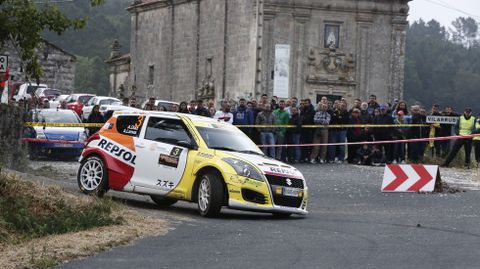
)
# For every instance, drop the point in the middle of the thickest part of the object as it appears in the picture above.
(26, 212)
(41, 227)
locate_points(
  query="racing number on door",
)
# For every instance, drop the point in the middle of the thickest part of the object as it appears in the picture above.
(139, 122)
(176, 152)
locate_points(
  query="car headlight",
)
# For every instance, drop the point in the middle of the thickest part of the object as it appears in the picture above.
(41, 135)
(82, 137)
(244, 169)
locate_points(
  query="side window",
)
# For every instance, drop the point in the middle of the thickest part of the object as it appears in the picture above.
(167, 131)
(130, 125)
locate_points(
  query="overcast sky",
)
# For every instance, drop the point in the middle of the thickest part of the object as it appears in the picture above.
(444, 11)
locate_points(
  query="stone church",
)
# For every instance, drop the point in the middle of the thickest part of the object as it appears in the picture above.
(186, 49)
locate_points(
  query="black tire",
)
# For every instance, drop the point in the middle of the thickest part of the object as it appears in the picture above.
(282, 215)
(92, 176)
(211, 184)
(163, 201)
(33, 153)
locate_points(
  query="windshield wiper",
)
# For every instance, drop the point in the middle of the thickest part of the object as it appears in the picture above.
(251, 152)
(223, 148)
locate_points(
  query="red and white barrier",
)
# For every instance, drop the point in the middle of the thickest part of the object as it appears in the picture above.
(410, 178)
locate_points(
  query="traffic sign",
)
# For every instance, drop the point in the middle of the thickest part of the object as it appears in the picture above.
(442, 119)
(410, 178)
(3, 63)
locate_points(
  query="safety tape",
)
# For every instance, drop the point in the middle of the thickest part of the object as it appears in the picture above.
(48, 141)
(375, 142)
(56, 124)
(337, 126)
(86, 125)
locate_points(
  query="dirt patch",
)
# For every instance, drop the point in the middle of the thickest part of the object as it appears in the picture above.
(52, 250)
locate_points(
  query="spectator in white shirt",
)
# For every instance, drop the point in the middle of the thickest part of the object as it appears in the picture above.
(224, 114)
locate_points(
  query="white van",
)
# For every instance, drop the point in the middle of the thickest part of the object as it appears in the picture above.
(27, 90)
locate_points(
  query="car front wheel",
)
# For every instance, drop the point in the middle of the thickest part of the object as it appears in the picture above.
(92, 176)
(210, 195)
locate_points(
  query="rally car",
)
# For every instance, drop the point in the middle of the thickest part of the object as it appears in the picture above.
(175, 156)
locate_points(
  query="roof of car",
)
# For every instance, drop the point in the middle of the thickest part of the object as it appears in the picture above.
(167, 114)
(105, 97)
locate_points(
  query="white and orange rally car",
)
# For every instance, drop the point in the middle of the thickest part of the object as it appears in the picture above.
(174, 156)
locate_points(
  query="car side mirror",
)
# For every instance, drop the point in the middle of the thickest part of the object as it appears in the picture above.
(186, 144)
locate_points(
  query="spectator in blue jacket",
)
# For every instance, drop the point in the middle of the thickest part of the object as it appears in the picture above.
(243, 116)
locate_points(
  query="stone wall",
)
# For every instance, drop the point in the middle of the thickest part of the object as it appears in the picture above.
(370, 56)
(193, 43)
(12, 150)
(58, 67)
(230, 45)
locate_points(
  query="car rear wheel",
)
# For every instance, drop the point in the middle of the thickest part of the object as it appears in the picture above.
(162, 201)
(92, 176)
(210, 195)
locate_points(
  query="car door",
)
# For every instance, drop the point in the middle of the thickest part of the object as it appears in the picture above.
(161, 161)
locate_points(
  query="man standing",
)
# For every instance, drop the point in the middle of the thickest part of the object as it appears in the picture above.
(465, 126)
(357, 104)
(267, 137)
(339, 134)
(308, 113)
(192, 106)
(437, 148)
(322, 117)
(201, 110)
(446, 130)
(224, 114)
(417, 149)
(476, 141)
(150, 105)
(372, 104)
(384, 134)
(282, 117)
(293, 135)
(243, 116)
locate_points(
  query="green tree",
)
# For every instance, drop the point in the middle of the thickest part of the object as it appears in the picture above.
(465, 32)
(22, 23)
(439, 68)
(91, 76)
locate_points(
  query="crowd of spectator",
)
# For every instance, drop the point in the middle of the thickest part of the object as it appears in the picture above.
(269, 113)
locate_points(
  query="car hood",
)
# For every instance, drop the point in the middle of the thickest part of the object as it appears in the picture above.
(269, 166)
(61, 133)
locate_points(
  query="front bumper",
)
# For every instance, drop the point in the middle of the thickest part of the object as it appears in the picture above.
(267, 209)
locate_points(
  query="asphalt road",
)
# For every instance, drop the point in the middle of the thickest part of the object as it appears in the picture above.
(351, 224)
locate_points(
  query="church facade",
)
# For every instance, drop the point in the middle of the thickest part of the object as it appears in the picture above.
(219, 49)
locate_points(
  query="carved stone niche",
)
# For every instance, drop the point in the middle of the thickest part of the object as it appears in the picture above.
(330, 65)
(207, 91)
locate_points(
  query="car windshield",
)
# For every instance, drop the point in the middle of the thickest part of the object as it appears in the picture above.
(108, 102)
(228, 139)
(51, 93)
(31, 89)
(84, 99)
(60, 116)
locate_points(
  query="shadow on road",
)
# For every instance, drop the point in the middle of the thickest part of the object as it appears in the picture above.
(187, 209)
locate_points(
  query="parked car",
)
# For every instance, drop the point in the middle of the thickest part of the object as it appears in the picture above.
(27, 90)
(47, 93)
(77, 101)
(99, 100)
(56, 102)
(167, 104)
(60, 142)
(175, 156)
(108, 110)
